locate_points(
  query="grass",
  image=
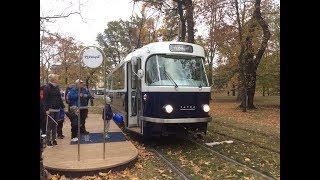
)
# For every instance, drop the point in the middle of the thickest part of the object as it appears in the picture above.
(259, 128)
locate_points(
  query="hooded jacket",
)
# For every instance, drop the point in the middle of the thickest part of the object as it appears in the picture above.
(73, 97)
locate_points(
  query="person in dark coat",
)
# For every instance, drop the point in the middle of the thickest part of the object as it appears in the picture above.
(52, 102)
(42, 112)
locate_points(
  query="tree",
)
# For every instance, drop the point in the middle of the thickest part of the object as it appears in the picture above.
(48, 55)
(48, 51)
(185, 9)
(209, 13)
(248, 59)
(68, 59)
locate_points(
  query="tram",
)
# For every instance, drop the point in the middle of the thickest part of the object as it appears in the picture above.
(162, 89)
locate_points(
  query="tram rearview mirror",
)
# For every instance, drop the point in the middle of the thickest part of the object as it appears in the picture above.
(134, 60)
(140, 73)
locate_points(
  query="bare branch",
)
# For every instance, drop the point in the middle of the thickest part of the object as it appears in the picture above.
(58, 16)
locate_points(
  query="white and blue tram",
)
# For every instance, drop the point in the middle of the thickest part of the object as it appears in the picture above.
(162, 89)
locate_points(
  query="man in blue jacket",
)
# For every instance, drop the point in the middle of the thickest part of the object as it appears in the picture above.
(84, 98)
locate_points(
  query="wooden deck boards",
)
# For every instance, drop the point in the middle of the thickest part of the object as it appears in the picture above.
(64, 157)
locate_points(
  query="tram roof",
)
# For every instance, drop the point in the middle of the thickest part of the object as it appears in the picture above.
(162, 48)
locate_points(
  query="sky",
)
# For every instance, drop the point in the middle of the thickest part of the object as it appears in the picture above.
(95, 16)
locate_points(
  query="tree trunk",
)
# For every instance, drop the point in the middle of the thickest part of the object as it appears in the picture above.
(263, 91)
(210, 72)
(238, 88)
(190, 22)
(241, 63)
(233, 90)
(243, 98)
(253, 62)
(251, 91)
(250, 66)
(182, 37)
(66, 76)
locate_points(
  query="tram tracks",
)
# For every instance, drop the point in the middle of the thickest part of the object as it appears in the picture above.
(177, 167)
(162, 150)
(231, 160)
(247, 142)
(181, 173)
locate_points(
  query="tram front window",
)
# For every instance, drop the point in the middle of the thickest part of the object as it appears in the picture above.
(182, 71)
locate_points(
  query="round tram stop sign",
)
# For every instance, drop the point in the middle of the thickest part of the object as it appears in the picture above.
(92, 57)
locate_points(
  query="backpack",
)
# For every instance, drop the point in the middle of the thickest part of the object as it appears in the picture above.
(61, 114)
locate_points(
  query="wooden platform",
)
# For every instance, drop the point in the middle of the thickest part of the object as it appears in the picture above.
(64, 157)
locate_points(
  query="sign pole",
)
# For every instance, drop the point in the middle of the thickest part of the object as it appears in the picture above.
(79, 89)
(92, 57)
(104, 116)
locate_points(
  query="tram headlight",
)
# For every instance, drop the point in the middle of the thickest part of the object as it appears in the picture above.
(206, 108)
(168, 108)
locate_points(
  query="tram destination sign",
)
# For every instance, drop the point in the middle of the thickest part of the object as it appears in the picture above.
(180, 48)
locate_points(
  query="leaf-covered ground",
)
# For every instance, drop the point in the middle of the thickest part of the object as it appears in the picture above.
(256, 143)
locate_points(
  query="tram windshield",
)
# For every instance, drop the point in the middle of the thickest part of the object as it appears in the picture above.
(168, 70)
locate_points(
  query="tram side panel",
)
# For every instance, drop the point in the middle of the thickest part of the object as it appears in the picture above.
(186, 106)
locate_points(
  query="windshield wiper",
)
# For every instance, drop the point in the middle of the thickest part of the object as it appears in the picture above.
(168, 76)
(200, 85)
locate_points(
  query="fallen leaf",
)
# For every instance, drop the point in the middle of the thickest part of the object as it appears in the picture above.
(63, 178)
(164, 175)
(239, 170)
(247, 159)
(196, 169)
(102, 174)
(139, 166)
(54, 177)
(160, 171)
(206, 177)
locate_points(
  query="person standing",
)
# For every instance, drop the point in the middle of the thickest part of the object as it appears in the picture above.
(83, 107)
(72, 115)
(42, 112)
(107, 115)
(60, 124)
(52, 102)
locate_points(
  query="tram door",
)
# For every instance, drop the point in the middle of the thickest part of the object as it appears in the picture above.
(134, 97)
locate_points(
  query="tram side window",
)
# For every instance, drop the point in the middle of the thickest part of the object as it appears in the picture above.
(151, 71)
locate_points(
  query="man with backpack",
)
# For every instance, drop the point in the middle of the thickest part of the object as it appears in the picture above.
(83, 106)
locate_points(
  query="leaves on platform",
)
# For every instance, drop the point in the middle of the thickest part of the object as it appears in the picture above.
(103, 174)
